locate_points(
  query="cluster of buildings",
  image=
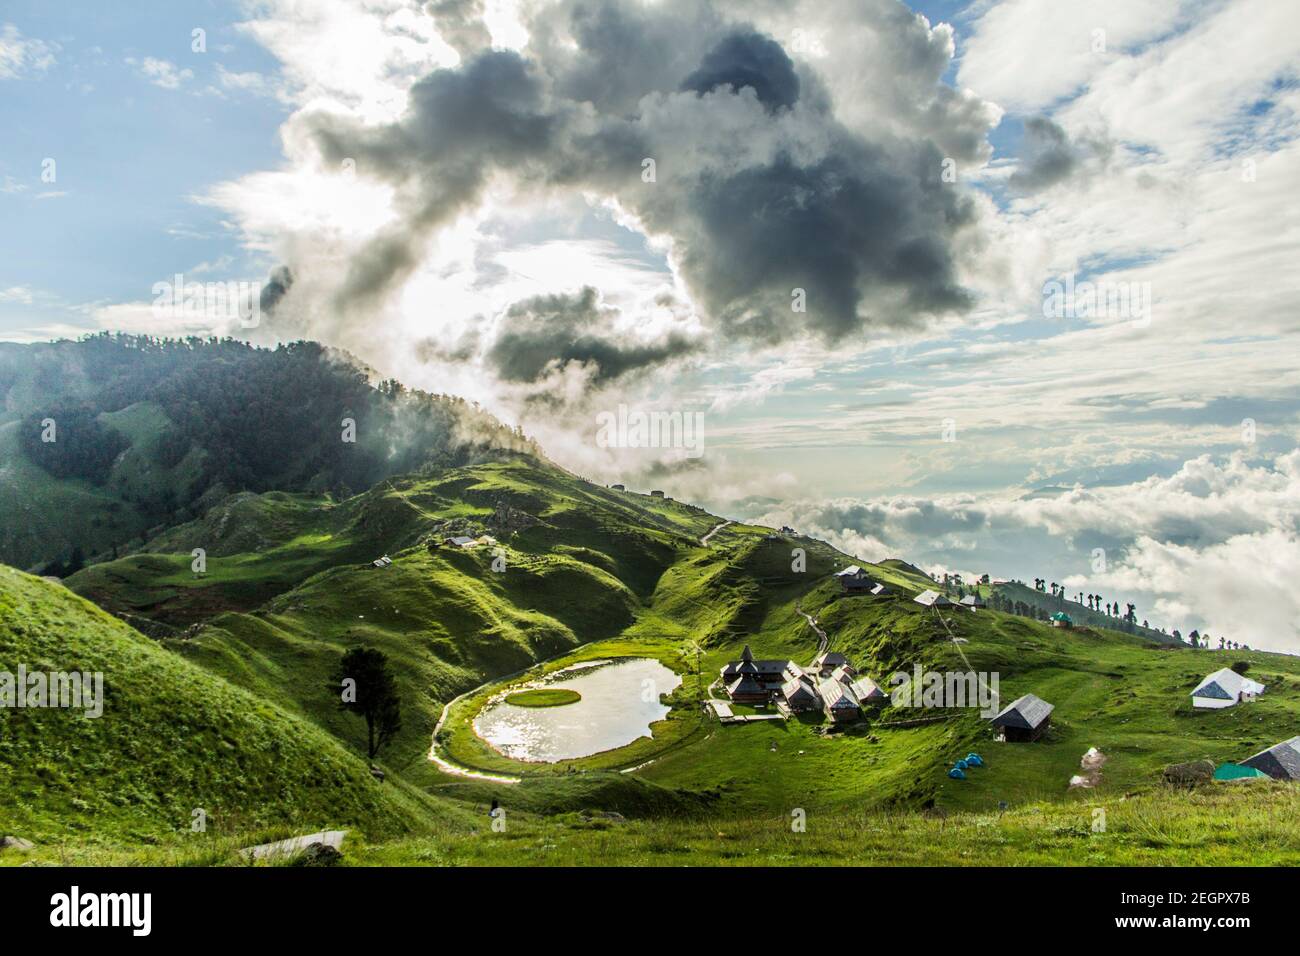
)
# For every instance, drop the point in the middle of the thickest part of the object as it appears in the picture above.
(830, 685)
(833, 686)
(971, 602)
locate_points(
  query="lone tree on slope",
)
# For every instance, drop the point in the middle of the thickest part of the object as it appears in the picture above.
(366, 688)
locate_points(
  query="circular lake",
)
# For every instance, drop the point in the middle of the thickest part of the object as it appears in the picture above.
(620, 700)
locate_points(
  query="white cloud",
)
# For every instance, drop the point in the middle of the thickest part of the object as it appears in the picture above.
(1028, 54)
(1215, 546)
(161, 73)
(16, 293)
(23, 56)
(252, 82)
(358, 55)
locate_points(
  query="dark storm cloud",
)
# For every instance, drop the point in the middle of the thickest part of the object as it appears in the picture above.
(460, 125)
(1050, 158)
(849, 222)
(758, 198)
(277, 286)
(539, 334)
(748, 60)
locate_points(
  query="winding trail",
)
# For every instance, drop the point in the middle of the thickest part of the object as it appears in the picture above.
(705, 540)
(812, 622)
(455, 769)
(965, 660)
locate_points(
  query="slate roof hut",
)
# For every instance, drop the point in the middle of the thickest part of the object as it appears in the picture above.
(868, 692)
(974, 602)
(747, 689)
(1224, 688)
(800, 695)
(838, 702)
(1280, 761)
(1024, 719)
(853, 579)
(826, 663)
(932, 599)
(844, 674)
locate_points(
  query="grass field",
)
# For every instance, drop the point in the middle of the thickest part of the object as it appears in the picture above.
(1225, 825)
(544, 697)
(588, 573)
(172, 740)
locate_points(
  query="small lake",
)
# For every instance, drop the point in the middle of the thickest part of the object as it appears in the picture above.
(620, 700)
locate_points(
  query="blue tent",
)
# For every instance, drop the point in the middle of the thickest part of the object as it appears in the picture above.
(956, 774)
(974, 760)
(959, 765)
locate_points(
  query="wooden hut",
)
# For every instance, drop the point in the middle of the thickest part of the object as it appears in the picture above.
(838, 702)
(1024, 719)
(853, 580)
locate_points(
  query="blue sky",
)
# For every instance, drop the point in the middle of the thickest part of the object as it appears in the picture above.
(130, 154)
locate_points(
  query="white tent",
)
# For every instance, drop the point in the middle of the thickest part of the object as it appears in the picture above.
(1224, 688)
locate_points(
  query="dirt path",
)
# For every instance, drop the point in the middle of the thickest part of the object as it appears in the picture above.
(823, 639)
(705, 540)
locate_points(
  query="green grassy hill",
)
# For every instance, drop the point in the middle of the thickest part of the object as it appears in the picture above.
(590, 572)
(1047, 605)
(172, 739)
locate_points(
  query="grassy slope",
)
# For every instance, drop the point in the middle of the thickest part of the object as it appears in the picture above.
(607, 574)
(38, 511)
(172, 738)
(1224, 825)
(444, 617)
(1081, 614)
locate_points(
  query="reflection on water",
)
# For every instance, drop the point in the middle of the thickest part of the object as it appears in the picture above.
(620, 700)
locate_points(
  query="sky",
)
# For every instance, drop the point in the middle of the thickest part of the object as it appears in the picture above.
(1003, 285)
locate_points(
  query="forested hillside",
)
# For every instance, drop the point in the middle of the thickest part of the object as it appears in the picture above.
(114, 436)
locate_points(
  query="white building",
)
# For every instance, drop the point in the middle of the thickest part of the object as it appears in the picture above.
(1225, 688)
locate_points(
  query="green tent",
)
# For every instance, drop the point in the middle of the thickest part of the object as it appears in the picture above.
(1235, 771)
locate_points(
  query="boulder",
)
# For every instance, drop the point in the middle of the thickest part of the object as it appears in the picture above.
(318, 854)
(298, 846)
(1189, 774)
(15, 843)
